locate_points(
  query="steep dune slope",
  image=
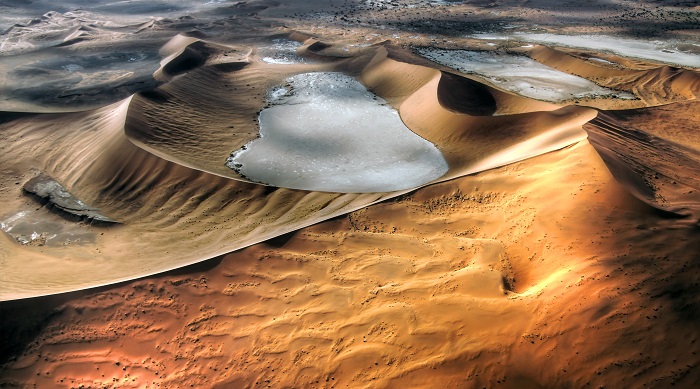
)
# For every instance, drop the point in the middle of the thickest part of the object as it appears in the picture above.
(662, 173)
(158, 202)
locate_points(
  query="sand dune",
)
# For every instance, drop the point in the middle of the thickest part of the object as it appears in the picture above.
(558, 249)
(655, 86)
(141, 189)
(648, 165)
(465, 284)
(169, 145)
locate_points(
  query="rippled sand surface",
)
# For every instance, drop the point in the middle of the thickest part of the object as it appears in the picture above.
(506, 240)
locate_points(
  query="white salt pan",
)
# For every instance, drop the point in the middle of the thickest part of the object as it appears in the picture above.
(326, 132)
(37, 227)
(520, 74)
(281, 52)
(660, 51)
(657, 50)
(601, 61)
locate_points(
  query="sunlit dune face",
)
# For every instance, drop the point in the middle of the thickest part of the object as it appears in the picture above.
(326, 132)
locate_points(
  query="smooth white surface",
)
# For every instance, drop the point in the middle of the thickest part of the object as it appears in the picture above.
(39, 227)
(655, 50)
(326, 132)
(281, 52)
(520, 74)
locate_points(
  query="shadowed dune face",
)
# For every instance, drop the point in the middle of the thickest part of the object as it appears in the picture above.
(465, 96)
(646, 163)
(558, 249)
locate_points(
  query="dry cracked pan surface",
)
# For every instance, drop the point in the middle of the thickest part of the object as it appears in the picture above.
(559, 250)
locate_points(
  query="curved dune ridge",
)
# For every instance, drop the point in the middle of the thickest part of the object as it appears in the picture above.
(155, 161)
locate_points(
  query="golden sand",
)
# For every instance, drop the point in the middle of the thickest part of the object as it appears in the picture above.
(559, 249)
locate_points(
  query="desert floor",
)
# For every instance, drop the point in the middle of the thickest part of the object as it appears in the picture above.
(542, 230)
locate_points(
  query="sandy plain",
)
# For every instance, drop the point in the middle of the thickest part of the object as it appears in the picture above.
(560, 249)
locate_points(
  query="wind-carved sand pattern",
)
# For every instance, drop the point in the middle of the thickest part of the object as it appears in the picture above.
(521, 75)
(327, 132)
